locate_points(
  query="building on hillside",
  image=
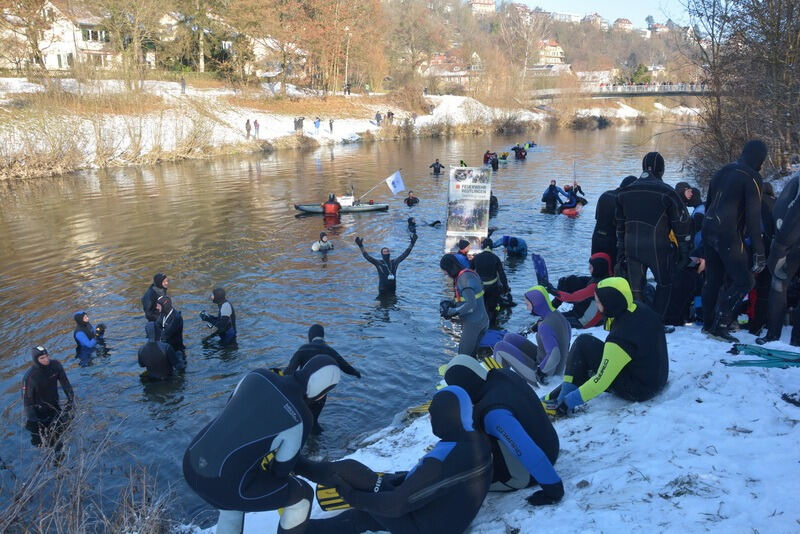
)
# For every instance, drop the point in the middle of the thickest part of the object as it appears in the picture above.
(482, 7)
(550, 53)
(570, 18)
(75, 33)
(658, 29)
(595, 19)
(646, 34)
(550, 71)
(623, 25)
(452, 71)
(520, 11)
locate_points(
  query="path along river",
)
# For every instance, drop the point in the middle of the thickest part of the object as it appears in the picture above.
(93, 241)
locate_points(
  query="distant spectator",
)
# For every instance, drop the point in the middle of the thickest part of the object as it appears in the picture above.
(317, 122)
(390, 117)
(247, 128)
(183, 85)
(378, 118)
(347, 88)
(255, 128)
(366, 88)
(298, 125)
(330, 124)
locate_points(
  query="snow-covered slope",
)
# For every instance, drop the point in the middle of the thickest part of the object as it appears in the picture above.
(717, 451)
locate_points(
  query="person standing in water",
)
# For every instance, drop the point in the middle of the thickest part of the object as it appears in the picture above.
(386, 266)
(436, 166)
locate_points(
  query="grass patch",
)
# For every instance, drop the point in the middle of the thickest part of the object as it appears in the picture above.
(124, 103)
(336, 106)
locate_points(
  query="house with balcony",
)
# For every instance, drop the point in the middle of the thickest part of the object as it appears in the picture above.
(550, 53)
(482, 7)
(623, 25)
(594, 19)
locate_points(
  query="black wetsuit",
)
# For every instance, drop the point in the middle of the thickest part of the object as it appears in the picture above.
(387, 268)
(225, 321)
(733, 213)
(490, 268)
(242, 460)
(440, 495)
(40, 398)
(784, 259)
(159, 358)
(604, 237)
(169, 329)
(437, 167)
(647, 210)
(409, 201)
(551, 199)
(149, 300)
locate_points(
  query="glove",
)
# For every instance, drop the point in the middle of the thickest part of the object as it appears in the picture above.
(204, 316)
(343, 488)
(551, 289)
(359, 242)
(100, 330)
(549, 494)
(413, 238)
(684, 252)
(444, 308)
(759, 262)
(356, 373)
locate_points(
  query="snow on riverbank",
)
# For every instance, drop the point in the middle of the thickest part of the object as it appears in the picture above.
(717, 450)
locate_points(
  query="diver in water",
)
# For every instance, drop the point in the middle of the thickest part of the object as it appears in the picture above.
(225, 320)
(158, 358)
(442, 493)
(386, 266)
(323, 244)
(243, 460)
(84, 336)
(436, 166)
(169, 326)
(157, 289)
(40, 398)
(467, 304)
(411, 200)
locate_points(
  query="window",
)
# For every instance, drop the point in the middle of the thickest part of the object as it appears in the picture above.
(58, 56)
(226, 45)
(70, 60)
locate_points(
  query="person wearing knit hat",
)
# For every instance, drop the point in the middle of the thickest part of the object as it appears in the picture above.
(579, 291)
(463, 250)
(490, 268)
(524, 443)
(244, 459)
(322, 244)
(733, 215)
(654, 231)
(40, 396)
(317, 345)
(632, 363)
(604, 237)
(467, 304)
(157, 289)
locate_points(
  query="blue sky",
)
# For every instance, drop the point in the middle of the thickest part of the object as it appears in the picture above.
(613, 9)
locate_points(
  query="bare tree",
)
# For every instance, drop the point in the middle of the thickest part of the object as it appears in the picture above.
(522, 34)
(27, 19)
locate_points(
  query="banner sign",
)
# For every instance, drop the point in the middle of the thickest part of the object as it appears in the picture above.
(468, 207)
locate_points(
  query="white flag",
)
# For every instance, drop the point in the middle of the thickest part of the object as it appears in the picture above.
(395, 182)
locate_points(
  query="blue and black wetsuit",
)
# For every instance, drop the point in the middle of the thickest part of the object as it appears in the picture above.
(525, 445)
(515, 246)
(441, 494)
(225, 322)
(85, 343)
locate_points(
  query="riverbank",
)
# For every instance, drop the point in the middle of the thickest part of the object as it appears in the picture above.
(713, 451)
(68, 126)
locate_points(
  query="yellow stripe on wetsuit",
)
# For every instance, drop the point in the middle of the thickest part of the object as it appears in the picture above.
(614, 360)
(478, 295)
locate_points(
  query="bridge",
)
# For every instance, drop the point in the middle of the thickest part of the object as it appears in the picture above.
(623, 90)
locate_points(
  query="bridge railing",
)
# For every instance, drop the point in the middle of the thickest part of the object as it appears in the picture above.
(646, 88)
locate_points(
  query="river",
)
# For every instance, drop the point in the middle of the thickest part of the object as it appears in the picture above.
(93, 240)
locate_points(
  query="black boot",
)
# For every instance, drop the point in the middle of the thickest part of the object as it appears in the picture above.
(720, 329)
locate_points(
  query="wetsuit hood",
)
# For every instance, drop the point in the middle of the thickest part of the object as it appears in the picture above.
(450, 265)
(218, 295)
(615, 295)
(467, 373)
(487, 243)
(386, 257)
(628, 180)
(150, 330)
(78, 317)
(36, 352)
(513, 241)
(601, 265)
(451, 413)
(318, 376)
(166, 304)
(537, 296)
(321, 235)
(653, 163)
(753, 154)
(316, 332)
(159, 279)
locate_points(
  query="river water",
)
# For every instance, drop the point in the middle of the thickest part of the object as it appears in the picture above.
(93, 241)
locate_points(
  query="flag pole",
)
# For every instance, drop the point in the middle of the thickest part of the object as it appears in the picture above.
(376, 185)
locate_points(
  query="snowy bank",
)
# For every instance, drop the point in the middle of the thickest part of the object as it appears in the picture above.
(715, 451)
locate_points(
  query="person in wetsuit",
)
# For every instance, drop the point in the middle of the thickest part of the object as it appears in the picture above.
(461, 255)
(524, 443)
(169, 326)
(467, 304)
(490, 268)
(158, 358)
(317, 345)
(386, 266)
(579, 291)
(733, 213)
(157, 289)
(551, 197)
(242, 461)
(436, 166)
(632, 362)
(653, 232)
(572, 198)
(442, 493)
(40, 398)
(411, 200)
(84, 336)
(331, 207)
(323, 244)
(515, 246)
(225, 320)
(604, 237)
(784, 262)
(553, 334)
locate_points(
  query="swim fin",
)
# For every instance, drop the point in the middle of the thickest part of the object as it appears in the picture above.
(541, 269)
(329, 499)
(490, 363)
(422, 408)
